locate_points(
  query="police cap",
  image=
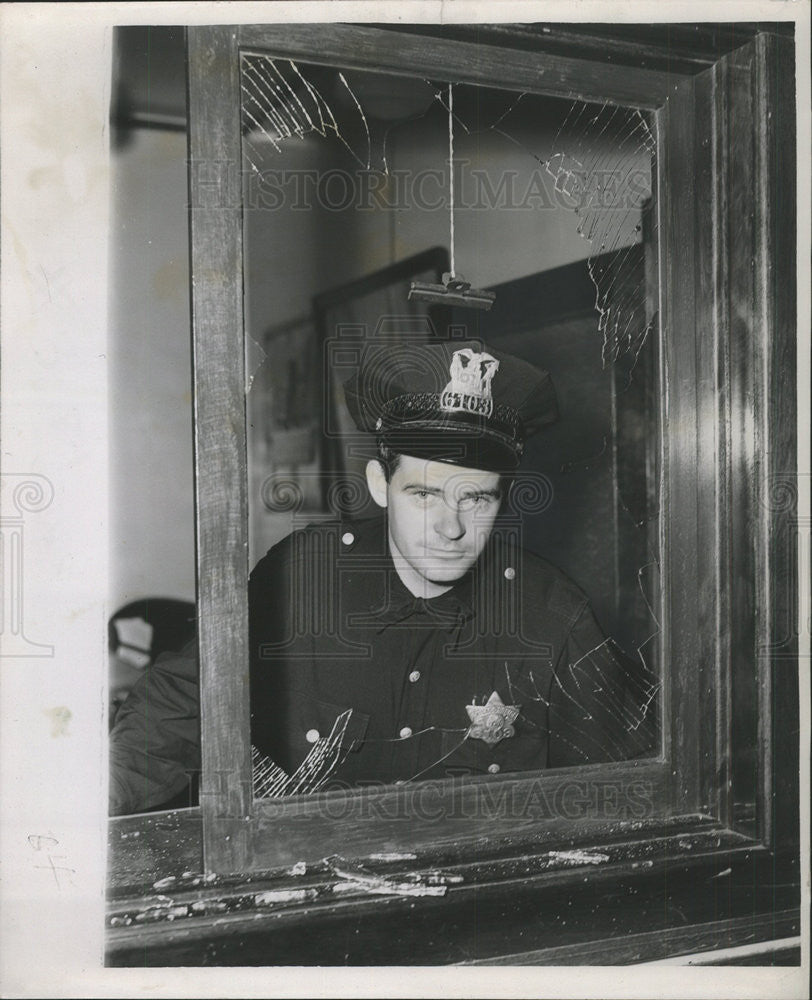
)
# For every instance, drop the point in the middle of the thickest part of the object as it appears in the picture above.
(458, 402)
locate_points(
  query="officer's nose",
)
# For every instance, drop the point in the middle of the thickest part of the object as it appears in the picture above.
(449, 524)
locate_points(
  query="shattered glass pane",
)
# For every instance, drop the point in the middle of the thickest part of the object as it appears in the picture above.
(279, 103)
(346, 177)
(270, 781)
(608, 203)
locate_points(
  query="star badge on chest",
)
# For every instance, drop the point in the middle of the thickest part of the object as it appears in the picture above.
(493, 721)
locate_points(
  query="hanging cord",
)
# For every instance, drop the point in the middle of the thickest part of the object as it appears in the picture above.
(455, 290)
(451, 168)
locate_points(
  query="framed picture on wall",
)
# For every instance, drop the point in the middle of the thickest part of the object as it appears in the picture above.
(283, 413)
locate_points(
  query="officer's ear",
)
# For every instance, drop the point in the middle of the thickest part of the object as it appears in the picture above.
(376, 481)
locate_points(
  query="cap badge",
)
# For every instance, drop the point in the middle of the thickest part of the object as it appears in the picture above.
(493, 721)
(470, 387)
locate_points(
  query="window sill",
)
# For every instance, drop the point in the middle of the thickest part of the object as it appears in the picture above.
(641, 892)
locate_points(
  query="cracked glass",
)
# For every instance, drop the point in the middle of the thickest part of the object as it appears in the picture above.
(546, 653)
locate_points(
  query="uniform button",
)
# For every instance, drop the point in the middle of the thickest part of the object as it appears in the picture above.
(414, 676)
(493, 769)
(312, 735)
(348, 538)
(405, 733)
(510, 573)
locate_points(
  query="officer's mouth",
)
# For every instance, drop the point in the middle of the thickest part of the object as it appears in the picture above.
(450, 555)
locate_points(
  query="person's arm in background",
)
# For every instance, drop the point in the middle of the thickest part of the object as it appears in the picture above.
(602, 702)
(155, 742)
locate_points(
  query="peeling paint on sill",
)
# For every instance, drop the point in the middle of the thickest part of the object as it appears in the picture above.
(384, 888)
(357, 881)
(579, 857)
(272, 896)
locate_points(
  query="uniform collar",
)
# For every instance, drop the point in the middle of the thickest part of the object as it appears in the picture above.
(396, 603)
(447, 611)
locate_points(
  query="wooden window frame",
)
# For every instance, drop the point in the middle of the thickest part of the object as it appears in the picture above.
(721, 550)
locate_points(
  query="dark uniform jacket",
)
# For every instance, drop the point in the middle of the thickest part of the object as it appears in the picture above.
(340, 647)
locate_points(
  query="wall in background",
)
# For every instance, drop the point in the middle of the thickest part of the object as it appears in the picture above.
(152, 515)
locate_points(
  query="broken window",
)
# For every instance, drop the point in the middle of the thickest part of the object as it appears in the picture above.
(347, 183)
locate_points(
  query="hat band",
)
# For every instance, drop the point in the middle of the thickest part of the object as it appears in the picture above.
(502, 422)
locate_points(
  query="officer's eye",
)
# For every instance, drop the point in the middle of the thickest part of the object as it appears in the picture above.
(479, 500)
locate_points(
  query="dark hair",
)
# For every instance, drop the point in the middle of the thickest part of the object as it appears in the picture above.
(388, 458)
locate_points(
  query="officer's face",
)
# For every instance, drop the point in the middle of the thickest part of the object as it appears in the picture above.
(440, 517)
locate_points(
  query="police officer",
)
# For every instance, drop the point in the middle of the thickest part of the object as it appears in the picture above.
(424, 642)
(427, 634)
